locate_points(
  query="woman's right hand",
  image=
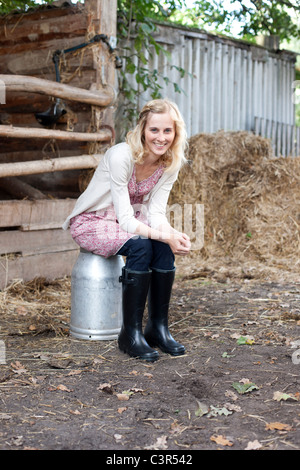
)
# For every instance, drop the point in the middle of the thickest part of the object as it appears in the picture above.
(179, 243)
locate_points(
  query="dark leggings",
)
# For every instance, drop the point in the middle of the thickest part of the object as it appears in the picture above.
(143, 254)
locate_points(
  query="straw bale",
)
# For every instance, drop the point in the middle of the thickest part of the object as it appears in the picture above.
(251, 199)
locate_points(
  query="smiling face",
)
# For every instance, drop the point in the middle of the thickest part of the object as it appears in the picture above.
(159, 134)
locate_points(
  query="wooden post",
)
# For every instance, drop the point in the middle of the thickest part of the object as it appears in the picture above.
(103, 20)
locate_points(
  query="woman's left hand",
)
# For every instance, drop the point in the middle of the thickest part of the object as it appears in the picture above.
(180, 243)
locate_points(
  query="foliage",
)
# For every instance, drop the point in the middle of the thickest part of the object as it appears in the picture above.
(7, 6)
(137, 21)
(271, 17)
(137, 24)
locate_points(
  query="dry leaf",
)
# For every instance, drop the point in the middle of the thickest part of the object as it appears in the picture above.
(278, 426)
(232, 407)
(245, 381)
(75, 372)
(160, 444)
(221, 440)
(122, 396)
(229, 394)
(75, 412)
(278, 396)
(5, 416)
(21, 310)
(177, 428)
(121, 410)
(18, 368)
(106, 388)
(253, 445)
(63, 388)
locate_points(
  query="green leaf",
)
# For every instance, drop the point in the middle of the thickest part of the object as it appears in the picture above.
(201, 410)
(244, 388)
(214, 411)
(245, 340)
(177, 88)
(143, 58)
(225, 354)
(147, 28)
(138, 43)
(278, 396)
(130, 67)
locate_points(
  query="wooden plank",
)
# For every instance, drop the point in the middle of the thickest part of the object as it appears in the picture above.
(35, 213)
(35, 242)
(47, 265)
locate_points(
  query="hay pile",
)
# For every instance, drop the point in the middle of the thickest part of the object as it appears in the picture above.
(251, 200)
(35, 307)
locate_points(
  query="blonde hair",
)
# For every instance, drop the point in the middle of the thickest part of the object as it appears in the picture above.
(174, 158)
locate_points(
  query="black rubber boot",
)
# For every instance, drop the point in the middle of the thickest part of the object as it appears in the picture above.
(157, 332)
(134, 294)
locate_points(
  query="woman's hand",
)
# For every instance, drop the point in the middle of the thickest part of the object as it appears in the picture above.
(179, 243)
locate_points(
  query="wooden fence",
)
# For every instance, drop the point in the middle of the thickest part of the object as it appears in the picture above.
(285, 137)
(229, 83)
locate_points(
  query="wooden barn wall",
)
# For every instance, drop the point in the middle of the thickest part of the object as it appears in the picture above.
(32, 242)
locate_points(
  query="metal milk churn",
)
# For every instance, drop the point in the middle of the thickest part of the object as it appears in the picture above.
(96, 297)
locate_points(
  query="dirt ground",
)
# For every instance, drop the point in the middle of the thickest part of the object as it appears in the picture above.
(236, 388)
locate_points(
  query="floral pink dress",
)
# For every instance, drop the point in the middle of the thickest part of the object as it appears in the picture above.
(99, 232)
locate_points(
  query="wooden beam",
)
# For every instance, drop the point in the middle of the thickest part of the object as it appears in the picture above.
(49, 166)
(19, 189)
(37, 133)
(101, 97)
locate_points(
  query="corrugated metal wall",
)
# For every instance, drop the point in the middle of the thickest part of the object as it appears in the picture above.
(228, 83)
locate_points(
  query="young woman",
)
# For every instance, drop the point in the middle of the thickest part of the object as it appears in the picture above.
(123, 211)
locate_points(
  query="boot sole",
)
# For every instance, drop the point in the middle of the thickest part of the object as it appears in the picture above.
(136, 356)
(167, 351)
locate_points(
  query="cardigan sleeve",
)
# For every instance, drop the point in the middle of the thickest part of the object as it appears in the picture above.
(158, 202)
(119, 173)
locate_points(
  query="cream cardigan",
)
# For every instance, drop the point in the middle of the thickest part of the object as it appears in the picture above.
(109, 185)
